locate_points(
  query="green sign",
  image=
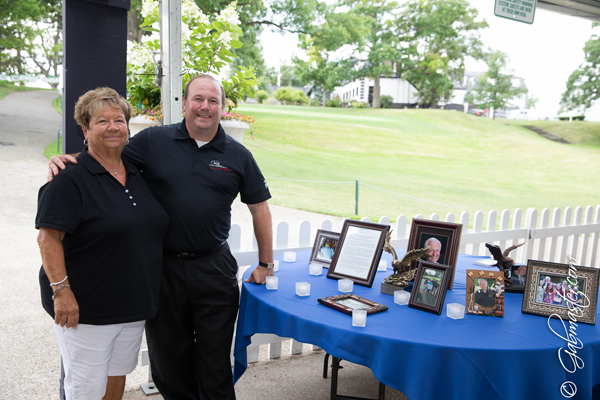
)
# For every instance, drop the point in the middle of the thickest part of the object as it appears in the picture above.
(517, 10)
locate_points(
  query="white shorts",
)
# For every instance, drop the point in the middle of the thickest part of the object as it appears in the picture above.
(92, 353)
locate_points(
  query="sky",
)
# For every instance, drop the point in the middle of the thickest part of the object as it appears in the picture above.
(544, 53)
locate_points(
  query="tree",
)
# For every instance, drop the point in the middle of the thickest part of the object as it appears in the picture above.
(287, 76)
(321, 71)
(494, 88)
(583, 85)
(381, 46)
(444, 33)
(16, 33)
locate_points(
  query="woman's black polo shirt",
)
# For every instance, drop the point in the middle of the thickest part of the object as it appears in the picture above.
(113, 243)
(196, 186)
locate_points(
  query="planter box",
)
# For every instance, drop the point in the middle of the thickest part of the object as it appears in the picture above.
(235, 129)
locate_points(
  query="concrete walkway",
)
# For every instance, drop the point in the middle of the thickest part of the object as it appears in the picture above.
(29, 356)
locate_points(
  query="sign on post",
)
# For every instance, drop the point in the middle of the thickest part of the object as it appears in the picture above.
(517, 10)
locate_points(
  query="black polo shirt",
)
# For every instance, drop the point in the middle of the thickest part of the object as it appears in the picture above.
(196, 186)
(113, 243)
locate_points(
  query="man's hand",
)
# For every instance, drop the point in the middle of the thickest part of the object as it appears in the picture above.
(259, 275)
(59, 162)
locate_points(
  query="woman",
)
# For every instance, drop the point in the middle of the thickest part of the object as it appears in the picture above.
(558, 295)
(548, 291)
(101, 236)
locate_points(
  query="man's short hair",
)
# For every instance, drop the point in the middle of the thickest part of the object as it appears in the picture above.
(205, 76)
(432, 239)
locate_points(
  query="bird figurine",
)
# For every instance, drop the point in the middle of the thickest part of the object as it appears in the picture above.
(402, 272)
(503, 261)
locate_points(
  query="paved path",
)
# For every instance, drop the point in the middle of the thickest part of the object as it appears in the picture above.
(29, 356)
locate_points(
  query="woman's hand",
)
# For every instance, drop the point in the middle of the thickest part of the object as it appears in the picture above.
(66, 309)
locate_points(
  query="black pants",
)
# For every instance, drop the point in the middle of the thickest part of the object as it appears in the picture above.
(189, 341)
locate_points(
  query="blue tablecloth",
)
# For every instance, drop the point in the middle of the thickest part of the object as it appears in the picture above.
(424, 355)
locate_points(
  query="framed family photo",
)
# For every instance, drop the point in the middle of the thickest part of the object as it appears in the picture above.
(326, 243)
(485, 293)
(431, 284)
(554, 290)
(358, 252)
(348, 302)
(443, 239)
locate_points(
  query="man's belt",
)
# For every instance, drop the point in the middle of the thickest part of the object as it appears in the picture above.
(186, 256)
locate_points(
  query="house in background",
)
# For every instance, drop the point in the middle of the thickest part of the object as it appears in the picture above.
(402, 92)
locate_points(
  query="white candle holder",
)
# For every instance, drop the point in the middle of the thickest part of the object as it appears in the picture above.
(272, 282)
(382, 265)
(303, 288)
(401, 297)
(289, 256)
(455, 311)
(359, 318)
(315, 269)
(276, 265)
(345, 285)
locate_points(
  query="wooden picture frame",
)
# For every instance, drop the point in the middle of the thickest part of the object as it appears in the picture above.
(431, 283)
(580, 302)
(485, 293)
(448, 235)
(359, 251)
(349, 301)
(326, 243)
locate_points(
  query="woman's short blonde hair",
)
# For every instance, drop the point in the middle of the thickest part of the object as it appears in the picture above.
(91, 102)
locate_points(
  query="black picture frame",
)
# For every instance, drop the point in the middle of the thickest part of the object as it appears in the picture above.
(431, 283)
(324, 239)
(447, 233)
(348, 302)
(581, 303)
(359, 251)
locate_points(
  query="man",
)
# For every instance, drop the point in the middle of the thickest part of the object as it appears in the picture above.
(435, 248)
(484, 297)
(195, 171)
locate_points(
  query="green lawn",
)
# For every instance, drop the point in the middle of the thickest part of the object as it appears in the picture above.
(417, 162)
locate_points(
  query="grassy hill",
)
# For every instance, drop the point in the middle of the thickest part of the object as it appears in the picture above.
(418, 162)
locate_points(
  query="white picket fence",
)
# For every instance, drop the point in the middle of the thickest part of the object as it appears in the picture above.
(549, 236)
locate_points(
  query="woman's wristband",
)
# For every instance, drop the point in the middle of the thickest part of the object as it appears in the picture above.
(57, 289)
(58, 283)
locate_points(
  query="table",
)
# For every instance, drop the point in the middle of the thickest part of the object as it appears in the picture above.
(424, 355)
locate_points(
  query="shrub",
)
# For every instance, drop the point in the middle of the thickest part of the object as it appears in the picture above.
(315, 102)
(283, 95)
(386, 101)
(575, 118)
(359, 104)
(334, 102)
(261, 96)
(299, 97)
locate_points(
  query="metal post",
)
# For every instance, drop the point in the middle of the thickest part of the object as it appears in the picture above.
(356, 200)
(170, 38)
(58, 142)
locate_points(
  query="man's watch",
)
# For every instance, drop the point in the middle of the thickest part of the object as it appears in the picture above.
(266, 265)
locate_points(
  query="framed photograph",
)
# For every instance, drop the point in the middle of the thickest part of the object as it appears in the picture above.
(554, 290)
(443, 238)
(358, 252)
(326, 243)
(348, 302)
(485, 292)
(431, 284)
(518, 274)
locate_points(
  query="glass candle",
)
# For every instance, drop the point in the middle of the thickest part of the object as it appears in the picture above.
(382, 265)
(359, 318)
(276, 266)
(455, 311)
(289, 256)
(345, 285)
(401, 297)
(315, 269)
(302, 288)
(272, 282)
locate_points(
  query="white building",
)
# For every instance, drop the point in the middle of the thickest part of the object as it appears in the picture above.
(402, 92)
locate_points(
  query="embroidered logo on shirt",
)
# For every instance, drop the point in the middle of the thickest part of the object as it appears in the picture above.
(266, 186)
(216, 164)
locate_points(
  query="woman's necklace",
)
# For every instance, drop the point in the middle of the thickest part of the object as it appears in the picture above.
(114, 171)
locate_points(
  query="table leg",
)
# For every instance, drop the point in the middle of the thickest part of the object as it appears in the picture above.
(335, 366)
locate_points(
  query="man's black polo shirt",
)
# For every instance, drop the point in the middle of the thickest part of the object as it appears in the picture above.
(196, 186)
(113, 242)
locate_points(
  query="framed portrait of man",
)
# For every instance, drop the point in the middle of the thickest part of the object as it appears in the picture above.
(443, 239)
(485, 292)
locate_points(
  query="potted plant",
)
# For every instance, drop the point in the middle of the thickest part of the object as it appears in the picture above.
(206, 48)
